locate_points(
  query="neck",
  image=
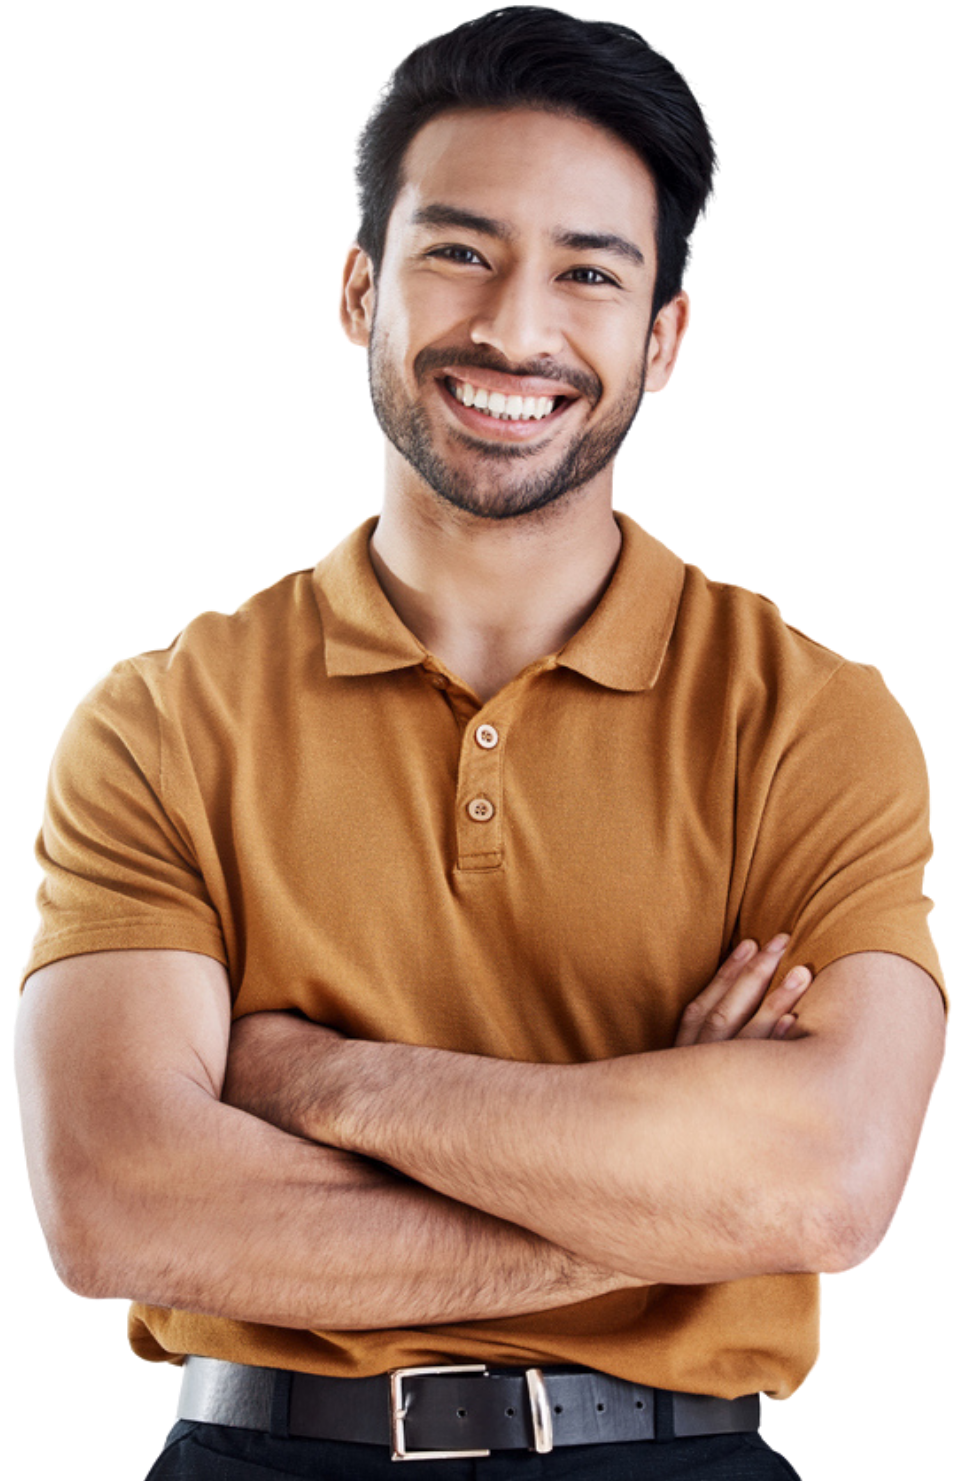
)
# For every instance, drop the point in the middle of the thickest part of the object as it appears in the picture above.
(489, 597)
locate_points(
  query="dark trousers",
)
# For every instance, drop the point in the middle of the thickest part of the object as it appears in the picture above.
(207, 1452)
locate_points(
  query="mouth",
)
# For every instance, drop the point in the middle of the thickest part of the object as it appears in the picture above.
(505, 413)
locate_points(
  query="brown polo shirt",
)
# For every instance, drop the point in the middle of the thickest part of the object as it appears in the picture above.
(303, 792)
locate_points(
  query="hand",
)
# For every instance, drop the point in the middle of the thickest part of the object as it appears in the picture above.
(737, 1004)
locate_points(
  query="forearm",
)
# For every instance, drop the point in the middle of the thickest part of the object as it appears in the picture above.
(646, 1164)
(237, 1219)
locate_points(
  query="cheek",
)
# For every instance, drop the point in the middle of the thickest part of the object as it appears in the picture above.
(398, 334)
(435, 309)
(611, 339)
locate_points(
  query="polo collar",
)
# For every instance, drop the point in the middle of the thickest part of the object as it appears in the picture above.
(621, 645)
(624, 640)
(363, 634)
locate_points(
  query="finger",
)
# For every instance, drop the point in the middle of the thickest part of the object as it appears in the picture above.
(743, 998)
(779, 1003)
(733, 994)
(696, 1011)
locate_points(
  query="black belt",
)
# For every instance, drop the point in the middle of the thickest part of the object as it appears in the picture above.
(459, 1410)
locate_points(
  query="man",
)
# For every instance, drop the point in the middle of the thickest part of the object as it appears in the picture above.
(488, 799)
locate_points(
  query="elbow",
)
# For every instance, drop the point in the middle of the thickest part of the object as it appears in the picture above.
(851, 1241)
(80, 1270)
(848, 1213)
(73, 1252)
(864, 1219)
(95, 1211)
(81, 1236)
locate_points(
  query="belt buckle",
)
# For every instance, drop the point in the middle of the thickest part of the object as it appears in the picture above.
(540, 1411)
(399, 1409)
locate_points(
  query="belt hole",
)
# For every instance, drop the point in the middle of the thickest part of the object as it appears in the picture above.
(510, 1413)
(462, 1413)
(600, 1407)
(640, 1404)
(557, 1408)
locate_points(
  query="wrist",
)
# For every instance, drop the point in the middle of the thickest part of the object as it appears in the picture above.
(344, 1092)
(369, 1088)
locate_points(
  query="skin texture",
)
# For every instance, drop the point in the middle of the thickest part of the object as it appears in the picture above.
(725, 1157)
(151, 1186)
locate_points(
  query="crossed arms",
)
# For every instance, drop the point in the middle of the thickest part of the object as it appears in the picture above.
(330, 1183)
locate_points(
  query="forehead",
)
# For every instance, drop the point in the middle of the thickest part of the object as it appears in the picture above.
(535, 170)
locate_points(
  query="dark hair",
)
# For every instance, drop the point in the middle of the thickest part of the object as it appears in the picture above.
(528, 56)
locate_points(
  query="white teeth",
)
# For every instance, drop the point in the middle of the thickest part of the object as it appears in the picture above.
(503, 408)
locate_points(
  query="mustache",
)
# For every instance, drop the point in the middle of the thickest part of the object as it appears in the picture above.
(431, 358)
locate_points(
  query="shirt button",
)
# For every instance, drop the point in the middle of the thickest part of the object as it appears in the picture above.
(439, 681)
(487, 737)
(480, 810)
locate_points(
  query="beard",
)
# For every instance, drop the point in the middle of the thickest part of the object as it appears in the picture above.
(500, 485)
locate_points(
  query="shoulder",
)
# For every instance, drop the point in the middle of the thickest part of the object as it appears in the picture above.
(725, 622)
(741, 639)
(214, 684)
(219, 658)
(271, 630)
(735, 667)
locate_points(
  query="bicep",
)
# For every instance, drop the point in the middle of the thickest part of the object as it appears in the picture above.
(108, 1012)
(874, 1025)
(107, 1045)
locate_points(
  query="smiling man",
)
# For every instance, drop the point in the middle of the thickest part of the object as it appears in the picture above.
(511, 333)
(577, 309)
(485, 979)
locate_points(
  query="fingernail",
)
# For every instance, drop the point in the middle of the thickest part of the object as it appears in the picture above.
(798, 978)
(778, 944)
(744, 951)
(784, 1026)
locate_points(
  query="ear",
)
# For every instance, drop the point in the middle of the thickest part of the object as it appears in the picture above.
(358, 296)
(665, 338)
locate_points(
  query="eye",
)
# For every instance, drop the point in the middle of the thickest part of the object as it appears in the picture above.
(466, 256)
(592, 277)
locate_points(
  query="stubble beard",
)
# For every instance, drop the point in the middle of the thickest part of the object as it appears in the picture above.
(490, 492)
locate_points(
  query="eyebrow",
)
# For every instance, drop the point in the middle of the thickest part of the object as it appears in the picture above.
(577, 241)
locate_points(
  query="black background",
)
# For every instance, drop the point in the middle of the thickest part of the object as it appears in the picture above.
(194, 427)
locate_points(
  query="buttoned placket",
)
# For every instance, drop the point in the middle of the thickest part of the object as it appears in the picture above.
(479, 795)
(480, 800)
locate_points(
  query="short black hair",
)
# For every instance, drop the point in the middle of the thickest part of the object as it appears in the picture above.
(530, 56)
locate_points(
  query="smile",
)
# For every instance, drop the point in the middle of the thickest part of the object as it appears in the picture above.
(501, 407)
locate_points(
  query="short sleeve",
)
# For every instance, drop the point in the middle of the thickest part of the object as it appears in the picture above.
(118, 872)
(844, 833)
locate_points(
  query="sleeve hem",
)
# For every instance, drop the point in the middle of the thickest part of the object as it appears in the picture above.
(119, 936)
(823, 954)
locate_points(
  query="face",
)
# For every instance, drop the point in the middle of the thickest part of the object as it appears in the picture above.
(508, 327)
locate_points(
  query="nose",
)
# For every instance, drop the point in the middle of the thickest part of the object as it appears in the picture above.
(518, 317)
